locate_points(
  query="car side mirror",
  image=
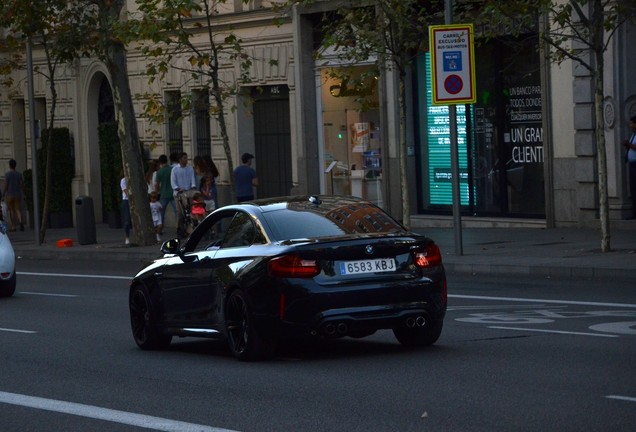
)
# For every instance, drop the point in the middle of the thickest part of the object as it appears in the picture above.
(171, 246)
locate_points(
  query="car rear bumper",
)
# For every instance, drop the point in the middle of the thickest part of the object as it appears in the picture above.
(363, 320)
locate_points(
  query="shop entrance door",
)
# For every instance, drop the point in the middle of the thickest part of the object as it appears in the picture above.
(272, 136)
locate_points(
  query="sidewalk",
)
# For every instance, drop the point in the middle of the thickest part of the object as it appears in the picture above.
(562, 252)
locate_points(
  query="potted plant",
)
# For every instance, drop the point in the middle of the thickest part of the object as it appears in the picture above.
(58, 141)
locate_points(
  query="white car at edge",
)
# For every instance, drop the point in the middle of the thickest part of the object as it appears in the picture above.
(7, 263)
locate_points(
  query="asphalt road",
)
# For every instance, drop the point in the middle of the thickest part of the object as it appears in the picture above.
(522, 355)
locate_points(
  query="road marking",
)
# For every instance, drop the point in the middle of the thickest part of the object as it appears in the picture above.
(17, 331)
(551, 331)
(47, 294)
(498, 307)
(568, 302)
(71, 275)
(625, 327)
(115, 416)
(623, 398)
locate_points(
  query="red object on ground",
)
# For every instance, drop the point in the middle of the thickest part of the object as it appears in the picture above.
(64, 243)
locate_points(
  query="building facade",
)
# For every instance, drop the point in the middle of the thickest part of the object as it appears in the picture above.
(527, 147)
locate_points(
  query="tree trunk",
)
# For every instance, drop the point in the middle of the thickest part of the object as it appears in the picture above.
(601, 156)
(143, 229)
(598, 42)
(404, 179)
(217, 93)
(48, 168)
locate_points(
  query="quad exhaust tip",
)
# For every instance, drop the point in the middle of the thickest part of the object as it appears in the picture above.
(335, 329)
(418, 321)
(341, 328)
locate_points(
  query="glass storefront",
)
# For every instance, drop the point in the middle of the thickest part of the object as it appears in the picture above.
(351, 133)
(500, 138)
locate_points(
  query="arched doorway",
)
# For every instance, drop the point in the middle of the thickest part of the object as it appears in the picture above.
(100, 109)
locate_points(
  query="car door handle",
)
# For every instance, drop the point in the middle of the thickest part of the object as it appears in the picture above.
(158, 274)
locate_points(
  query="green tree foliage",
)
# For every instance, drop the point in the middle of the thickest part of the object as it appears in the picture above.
(67, 30)
(576, 30)
(51, 25)
(188, 36)
(106, 36)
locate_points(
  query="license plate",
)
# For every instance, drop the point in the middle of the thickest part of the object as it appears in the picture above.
(367, 266)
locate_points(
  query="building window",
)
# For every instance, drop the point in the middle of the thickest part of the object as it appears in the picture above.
(242, 5)
(201, 111)
(175, 129)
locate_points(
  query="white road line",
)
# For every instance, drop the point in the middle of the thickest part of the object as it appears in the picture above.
(47, 294)
(551, 331)
(71, 275)
(623, 327)
(469, 308)
(115, 416)
(17, 331)
(569, 302)
(623, 398)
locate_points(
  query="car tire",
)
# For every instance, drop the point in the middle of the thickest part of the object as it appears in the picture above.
(426, 335)
(143, 321)
(244, 340)
(7, 287)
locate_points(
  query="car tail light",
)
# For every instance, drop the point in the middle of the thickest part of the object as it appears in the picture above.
(430, 257)
(5, 275)
(293, 266)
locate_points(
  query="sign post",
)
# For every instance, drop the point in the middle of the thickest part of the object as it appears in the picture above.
(453, 72)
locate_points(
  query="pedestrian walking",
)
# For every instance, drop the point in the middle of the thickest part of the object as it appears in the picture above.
(125, 207)
(13, 194)
(207, 191)
(155, 211)
(630, 156)
(151, 175)
(245, 179)
(164, 187)
(207, 173)
(182, 180)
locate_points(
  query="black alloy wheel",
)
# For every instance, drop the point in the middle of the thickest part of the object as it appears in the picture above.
(244, 341)
(7, 288)
(143, 321)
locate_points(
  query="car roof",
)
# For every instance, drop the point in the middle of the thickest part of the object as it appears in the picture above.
(314, 203)
(351, 214)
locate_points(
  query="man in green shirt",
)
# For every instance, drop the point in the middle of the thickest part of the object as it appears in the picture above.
(164, 187)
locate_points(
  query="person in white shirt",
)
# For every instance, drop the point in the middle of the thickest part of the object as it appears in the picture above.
(125, 207)
(156, 211)
(183, 181)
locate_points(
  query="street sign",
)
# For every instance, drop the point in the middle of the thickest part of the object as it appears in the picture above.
(452, 64)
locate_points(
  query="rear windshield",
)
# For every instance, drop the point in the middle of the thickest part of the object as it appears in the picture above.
(296, 224)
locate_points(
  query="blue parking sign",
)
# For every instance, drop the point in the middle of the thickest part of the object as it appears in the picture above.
(452, 61)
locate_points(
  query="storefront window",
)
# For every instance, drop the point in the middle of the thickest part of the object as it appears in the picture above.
(508, 138)
(438, 157)
(351, 130)
(500, 138)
